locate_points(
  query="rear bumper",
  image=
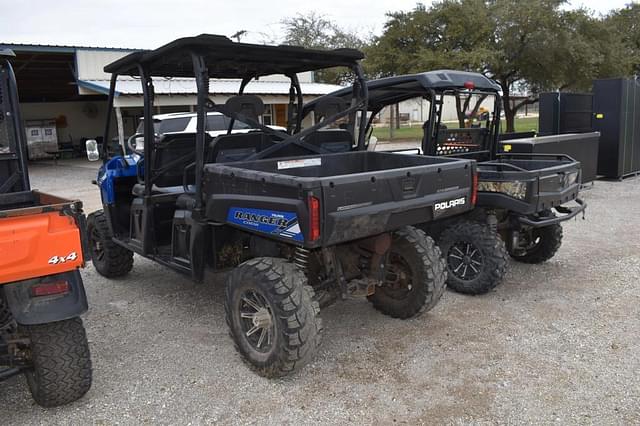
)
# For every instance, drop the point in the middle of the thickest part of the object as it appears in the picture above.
(567, 213)
(29, 310)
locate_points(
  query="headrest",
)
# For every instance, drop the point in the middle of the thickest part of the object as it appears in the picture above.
(328, 106)
(250, 106)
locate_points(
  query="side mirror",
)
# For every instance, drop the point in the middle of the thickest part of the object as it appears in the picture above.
(92, 150)
(373, 141)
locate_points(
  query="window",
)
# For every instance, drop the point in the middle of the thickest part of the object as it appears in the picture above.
(169, 125)
(216, 122)
(267, 116)
(239, 125)
(172, 125)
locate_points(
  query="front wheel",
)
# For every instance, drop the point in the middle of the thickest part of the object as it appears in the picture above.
(415, 276)
(272, 316)
(109, 259)
(61, 363)
(539, 244)
(475, 255)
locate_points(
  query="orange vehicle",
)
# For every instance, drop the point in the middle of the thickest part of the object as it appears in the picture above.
(42, 247)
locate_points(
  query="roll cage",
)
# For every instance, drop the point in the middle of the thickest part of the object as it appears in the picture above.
(14, 177)
(213, 56)
(434, 86)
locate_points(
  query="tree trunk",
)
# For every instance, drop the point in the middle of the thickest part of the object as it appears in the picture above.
(475, 109)
(397, 116)
(509, 112)
(459, 111)
(392, 126)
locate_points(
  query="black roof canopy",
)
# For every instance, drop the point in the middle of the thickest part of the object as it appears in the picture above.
(391, 90)
(227, 59)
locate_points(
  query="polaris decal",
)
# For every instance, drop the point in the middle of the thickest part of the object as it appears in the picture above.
(283, 224)
(450, 204)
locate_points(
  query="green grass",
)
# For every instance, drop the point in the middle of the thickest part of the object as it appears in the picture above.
(415, 133)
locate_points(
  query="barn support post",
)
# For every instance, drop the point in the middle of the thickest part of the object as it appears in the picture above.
(120, 124)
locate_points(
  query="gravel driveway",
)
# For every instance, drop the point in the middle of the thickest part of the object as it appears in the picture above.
(555, 343)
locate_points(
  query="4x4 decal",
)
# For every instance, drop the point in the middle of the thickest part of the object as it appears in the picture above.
(55, 260)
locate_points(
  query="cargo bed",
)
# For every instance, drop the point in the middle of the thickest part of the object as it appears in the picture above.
(359, 193)
(529, 183)
(40, 235)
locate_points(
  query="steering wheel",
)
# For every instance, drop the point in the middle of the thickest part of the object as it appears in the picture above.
(132, 145)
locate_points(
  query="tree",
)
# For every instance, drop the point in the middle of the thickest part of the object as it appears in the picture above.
(316, 31)
(625, 25)
(529, 46)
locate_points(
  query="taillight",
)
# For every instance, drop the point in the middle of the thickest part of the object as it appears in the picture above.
(314, 218)
(49, 289)
(474, 189)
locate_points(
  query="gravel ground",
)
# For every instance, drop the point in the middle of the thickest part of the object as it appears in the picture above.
(555, 343)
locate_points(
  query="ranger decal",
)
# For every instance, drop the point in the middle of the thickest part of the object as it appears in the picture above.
(283, 224)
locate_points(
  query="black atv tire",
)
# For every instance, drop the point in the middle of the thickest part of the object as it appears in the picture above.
(479, 250)
(414, 255)
(61, 362)
(109, 259)
(546, 242)
(276, 292)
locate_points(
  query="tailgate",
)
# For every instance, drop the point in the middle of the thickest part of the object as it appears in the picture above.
(366, 204)
(37, 245)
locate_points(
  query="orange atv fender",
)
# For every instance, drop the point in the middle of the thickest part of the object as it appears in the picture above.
(38, 245)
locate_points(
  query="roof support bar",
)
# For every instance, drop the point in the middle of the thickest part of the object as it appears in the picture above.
(361, 84)
(112, 91)
(18, 129)
(202, 83)
(295, 87)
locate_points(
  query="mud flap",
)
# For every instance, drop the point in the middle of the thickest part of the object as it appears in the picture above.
(29, 309)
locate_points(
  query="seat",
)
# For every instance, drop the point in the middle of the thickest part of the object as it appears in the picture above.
(237, 146)
(331, 140)
(171, 155)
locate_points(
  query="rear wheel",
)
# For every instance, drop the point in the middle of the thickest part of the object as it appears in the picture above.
(539, 244)
(61, 363)
(272, 316)
(415, 276)
(475, 255)
(109, 259)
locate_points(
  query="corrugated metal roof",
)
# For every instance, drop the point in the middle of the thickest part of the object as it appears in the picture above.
(26, 47)
(187, 86)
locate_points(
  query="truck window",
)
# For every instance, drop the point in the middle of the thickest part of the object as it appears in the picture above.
(216, 122)
(168, 125)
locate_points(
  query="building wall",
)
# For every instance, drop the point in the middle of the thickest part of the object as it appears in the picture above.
(79, 123)
(90, 63)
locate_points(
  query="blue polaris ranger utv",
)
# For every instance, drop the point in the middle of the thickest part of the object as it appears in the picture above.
(301, 217)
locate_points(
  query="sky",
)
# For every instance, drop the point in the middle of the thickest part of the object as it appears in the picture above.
(149, 24)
